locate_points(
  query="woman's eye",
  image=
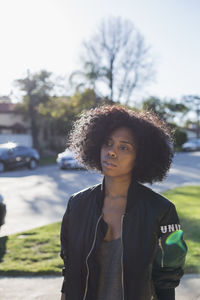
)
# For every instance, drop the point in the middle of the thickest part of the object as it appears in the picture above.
(123, 147)
(108, 143)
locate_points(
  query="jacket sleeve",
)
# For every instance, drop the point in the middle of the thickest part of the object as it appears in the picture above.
(169, 256)
(64, 243)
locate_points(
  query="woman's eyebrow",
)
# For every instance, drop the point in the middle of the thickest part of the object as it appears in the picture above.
(126, 142)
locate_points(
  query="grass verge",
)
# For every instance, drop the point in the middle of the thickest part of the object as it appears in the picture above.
(187, 201)
(47, 160)
(36, 252)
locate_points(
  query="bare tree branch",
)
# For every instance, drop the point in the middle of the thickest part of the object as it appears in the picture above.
(121, 58)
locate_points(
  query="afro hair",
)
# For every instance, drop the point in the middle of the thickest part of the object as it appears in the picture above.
(152, 137)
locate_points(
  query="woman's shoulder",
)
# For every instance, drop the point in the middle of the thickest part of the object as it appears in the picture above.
(153, 197)
(83, 195)
(156, 203)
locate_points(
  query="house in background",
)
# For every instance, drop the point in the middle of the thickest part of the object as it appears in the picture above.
(12, 126)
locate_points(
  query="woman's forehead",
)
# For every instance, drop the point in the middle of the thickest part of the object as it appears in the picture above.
(122, 133)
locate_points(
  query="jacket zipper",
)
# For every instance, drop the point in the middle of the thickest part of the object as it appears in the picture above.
(88, 271)
(122, 257)
(162, 251)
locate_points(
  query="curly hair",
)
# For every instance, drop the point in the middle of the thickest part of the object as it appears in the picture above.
(151, 135)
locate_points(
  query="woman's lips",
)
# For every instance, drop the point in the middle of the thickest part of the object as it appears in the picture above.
(109, 164)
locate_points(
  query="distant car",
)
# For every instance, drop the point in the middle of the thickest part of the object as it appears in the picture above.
(2, 211)
(191, 145)
(66, 160)
(13, 155)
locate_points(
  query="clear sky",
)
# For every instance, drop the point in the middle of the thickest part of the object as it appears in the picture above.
(47, 34)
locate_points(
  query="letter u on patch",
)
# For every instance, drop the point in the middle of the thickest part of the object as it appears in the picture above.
(163, 229)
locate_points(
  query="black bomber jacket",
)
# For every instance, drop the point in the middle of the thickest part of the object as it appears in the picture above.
(150, 269)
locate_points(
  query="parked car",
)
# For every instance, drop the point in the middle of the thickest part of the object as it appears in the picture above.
(2, 211)
(191, 145)
(13, 155)
(66, 160)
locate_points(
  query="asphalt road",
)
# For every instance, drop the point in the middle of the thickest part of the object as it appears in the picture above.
(39, 197)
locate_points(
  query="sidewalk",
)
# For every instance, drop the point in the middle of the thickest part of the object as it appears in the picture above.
(48, 288)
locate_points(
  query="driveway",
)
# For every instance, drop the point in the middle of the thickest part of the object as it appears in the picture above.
(39, 197)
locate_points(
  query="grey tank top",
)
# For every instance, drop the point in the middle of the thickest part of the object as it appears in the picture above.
(110, 279)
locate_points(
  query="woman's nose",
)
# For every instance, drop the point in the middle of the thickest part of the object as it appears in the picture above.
(111, 152)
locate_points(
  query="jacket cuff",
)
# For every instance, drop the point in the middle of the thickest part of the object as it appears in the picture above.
(165, 294)
(63, 289)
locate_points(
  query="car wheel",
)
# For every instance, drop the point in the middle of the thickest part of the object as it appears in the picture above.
(2, 167)
(32, 164)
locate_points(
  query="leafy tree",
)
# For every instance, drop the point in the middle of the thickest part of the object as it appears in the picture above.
(116, 60)
(167, 110)
(156, 105)
(193, 102)
(36, 88)
(88, 76)
(180, 136)
(59, 113)
(65, 109)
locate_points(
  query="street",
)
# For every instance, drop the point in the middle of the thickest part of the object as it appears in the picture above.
(39, 197)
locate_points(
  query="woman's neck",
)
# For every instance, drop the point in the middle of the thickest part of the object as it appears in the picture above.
(116, 187)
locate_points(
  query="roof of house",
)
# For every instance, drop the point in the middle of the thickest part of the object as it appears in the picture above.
(6, 107)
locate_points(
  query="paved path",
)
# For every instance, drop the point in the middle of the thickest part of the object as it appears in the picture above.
(48, 288)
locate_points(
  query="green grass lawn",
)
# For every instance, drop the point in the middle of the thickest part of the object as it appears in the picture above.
(36, 252)
(32, 252)
(47, 160)
(187, 201)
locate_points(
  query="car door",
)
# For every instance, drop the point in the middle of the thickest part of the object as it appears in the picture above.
(9, 158)
(20, 156)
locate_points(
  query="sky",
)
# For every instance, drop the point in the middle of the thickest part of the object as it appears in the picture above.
(48, 34)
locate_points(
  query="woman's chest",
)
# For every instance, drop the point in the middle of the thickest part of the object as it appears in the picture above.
(112, 215)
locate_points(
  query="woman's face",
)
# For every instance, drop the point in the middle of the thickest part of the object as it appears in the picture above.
(118, 153)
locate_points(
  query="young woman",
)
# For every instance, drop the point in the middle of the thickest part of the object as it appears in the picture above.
(113, 235)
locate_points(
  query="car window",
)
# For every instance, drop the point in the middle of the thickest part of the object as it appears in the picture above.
(2, 150)
(20, 148)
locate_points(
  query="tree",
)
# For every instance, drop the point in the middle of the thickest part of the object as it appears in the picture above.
(169, 111)
(166, 109)
(88, 76)
(180, 136)
(115, 60)
(59, 113)
(62, 111)
(37, 87)
(193, 101)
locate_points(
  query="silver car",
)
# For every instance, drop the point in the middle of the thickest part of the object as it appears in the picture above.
(66, 160)
(191, 145)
